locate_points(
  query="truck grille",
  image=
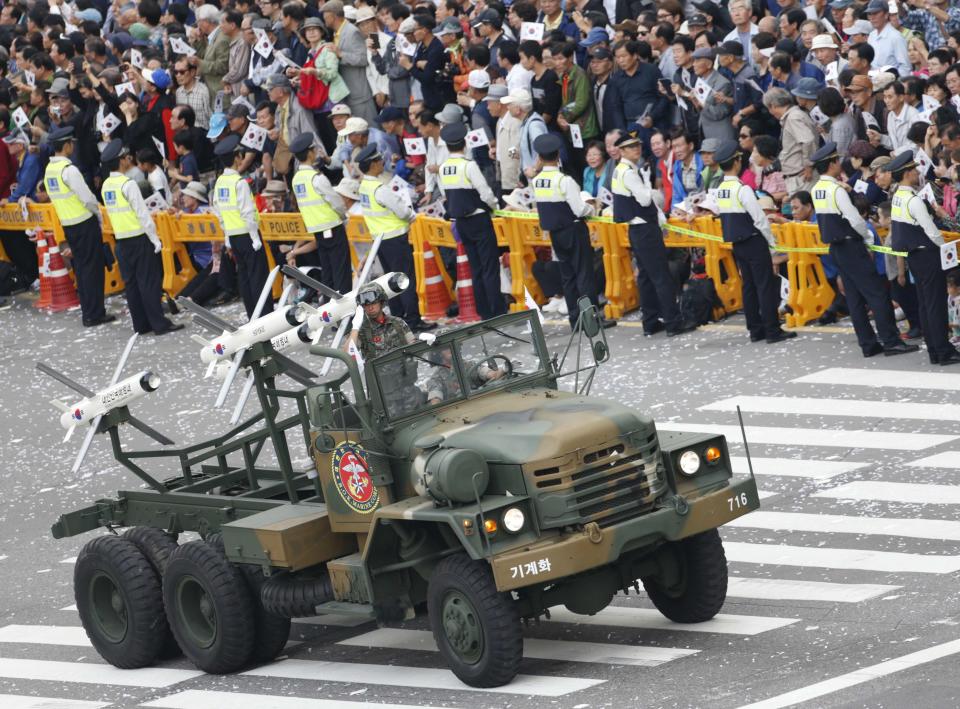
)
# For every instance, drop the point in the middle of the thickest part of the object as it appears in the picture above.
(607, 484)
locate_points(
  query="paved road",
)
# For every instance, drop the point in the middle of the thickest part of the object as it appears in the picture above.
(843, 586)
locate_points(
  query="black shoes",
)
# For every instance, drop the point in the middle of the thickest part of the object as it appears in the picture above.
(658, 326)
(828, 318)
(780, 336)
(174, 327)
(606, 323)
(953, 357)
(876, 349)
(900, 348)
(757, 337)
(109, 317)
(684, 327)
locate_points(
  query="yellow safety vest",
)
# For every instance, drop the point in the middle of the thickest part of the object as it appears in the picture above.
(122, 217)
(380, 220)
(317, 214)
(728, 195)
(229, 206)
(898, 206)
(70, 210)
(825, 196)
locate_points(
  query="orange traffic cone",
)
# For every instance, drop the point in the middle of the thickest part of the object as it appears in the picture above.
(437, 296)
(63, 294)
(465, 299)
(43, 263)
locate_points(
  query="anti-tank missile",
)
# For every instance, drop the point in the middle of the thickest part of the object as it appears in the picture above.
(113, 397)
(259, 330)
(393, 285)
(295, 336)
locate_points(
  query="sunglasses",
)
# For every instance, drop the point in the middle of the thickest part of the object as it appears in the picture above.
(745, 135)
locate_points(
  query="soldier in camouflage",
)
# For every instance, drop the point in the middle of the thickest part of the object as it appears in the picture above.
(380, 333)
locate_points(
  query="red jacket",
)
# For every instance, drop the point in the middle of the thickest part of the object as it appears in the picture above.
(8, 170)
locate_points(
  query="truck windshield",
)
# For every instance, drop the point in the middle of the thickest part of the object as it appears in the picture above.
(495, 355)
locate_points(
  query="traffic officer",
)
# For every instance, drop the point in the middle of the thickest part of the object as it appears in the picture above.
(323, 213)
(846, 234)
(633, 204)
(912, 230)
(388, 216)
(469, 201)
(138, 246)
(79, 214)
(562, 211)
(233, 205)
(747, 228)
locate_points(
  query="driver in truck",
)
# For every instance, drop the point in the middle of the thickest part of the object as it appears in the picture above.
(445, 384)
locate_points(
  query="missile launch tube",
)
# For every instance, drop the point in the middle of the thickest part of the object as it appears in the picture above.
(259, 330)
(393, 284)
(113, 397)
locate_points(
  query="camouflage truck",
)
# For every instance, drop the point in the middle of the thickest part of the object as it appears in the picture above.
(452, 478)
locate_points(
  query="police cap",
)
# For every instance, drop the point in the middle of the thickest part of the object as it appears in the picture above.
(726, 152)
(228, 145)
(453, 133)
(903, 161)
(367, 156)
(115, 149)
(827, 152)
(61, 135)
(547, 144)
(627, 139)
(301, 143)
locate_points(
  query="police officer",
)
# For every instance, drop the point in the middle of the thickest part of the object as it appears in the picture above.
(79, 214)
(561, 211)
(323, 213)
(233, 205)
(633, 204)
(746, 227)
(912, 230)
(138, 246)
(469, 201)
(846, 234)
(388, 216)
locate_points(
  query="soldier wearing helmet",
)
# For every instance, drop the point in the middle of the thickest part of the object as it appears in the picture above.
(380, 333)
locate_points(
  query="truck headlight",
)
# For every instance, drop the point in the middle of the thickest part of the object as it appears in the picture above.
(514, 519)
(689, 462)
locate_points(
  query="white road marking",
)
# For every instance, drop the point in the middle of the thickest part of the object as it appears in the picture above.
(850, 376)
(559, 650)
(72, 607)
(69, 560)
(852, 679)
(647, 618)
(847, 524)
(340, 620)
(18, 701)
(793, 467)
(838, 407)
(765, 495)
(91, 673)
(947, 459)
(44, 635)
(895, 492)
(795, 590)
(201, 699)
(419, 677)
(817, 436)
(831, 558)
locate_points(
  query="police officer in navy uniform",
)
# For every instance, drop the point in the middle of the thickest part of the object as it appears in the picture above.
(747, 228)
(912, 230)
(562, 211)
(79, 213)
(469, 201)
(845, 232)
(138, 245)
(234, 206)
(633, 204)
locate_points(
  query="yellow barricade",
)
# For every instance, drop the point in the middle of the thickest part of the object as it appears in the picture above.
(522, 234)
(112, 282)
(717, 257)
(810, 293)
(433, 233)
(621, 289)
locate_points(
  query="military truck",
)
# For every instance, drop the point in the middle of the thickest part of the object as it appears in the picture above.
(453, 479)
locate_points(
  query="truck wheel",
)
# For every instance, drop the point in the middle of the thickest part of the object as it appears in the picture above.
(209, 608)
(295, 596)
(120, 603)
(157, 545)
(701, 588)
(272, 630)
(476, 627)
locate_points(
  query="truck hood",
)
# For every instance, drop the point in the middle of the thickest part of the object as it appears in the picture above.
(525, 426)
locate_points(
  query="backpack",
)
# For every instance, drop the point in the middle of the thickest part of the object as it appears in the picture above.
(699, 299)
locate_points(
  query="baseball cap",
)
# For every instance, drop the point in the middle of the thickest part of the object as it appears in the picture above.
(354, 124)
(478, 79)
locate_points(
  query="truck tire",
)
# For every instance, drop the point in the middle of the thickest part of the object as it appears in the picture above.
(120, 602)
(295, 596)
(476, 627)
(157, 545)
(703, 587)
(209, 608)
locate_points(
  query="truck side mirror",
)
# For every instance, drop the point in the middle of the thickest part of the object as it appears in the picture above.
(588, 321)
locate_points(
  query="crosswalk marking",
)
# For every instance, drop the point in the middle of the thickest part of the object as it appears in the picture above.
(864, 674)
(793, 467)
(419, 677)
(201, 699)
(894, 492)
(851, 376)
(848, 524)
(817, 437)
(90, 673)
(947, 459)
(19, 701)
(838, 407)
(832, 558)
(796, 590)
(646, 618)
(559, 650)
(340, 620)
(44, 635)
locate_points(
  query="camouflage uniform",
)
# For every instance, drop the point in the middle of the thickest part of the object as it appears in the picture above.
(398, 385)
(377, 338)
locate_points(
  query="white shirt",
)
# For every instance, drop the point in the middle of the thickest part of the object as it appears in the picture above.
(132, 194)
(571, 191)
(638, 185)
(436, 154)
(518, 78)
(394, 202)
(918, 210)
(158, 181)
(74, 180)
(890, 49)
(849, 212)
(248, 211)
(897, 126)
(479, 183)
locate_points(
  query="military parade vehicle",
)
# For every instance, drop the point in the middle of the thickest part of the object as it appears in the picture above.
(453, 479)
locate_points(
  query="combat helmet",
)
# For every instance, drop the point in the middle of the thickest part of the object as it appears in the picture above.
(371, 293)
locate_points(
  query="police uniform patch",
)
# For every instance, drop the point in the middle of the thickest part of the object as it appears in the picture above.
(300, 190)
(351, 475)
(110, 198)
(53, 184)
